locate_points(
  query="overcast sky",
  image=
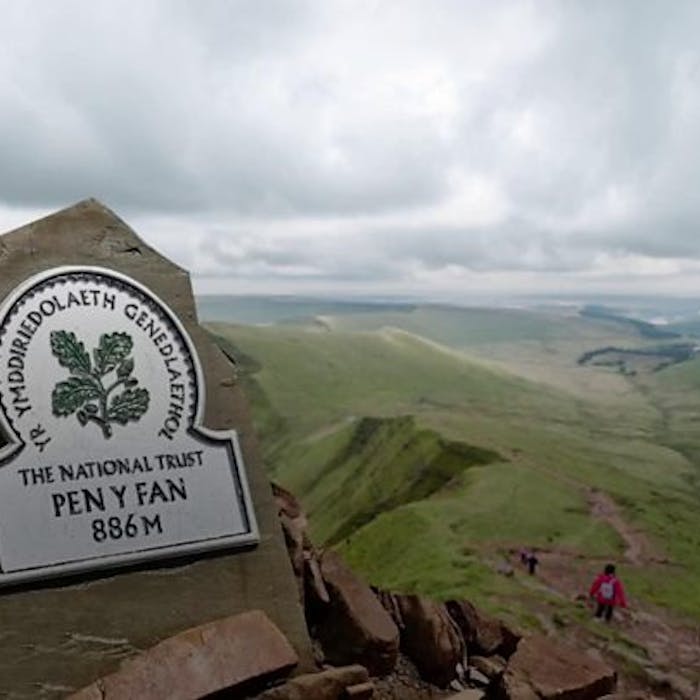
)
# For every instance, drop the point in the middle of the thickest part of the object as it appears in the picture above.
(433, 148)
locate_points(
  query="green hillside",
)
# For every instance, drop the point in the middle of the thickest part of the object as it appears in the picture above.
(540, 346)
(370, 467)
(427, 446)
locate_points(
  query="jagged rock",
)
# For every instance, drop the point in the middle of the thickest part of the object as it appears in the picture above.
(491, 666)
(478, 678)
(315, 586)
(389, 602)
(287, 504)
(294, 526)
(331, 684)
(202, 660)
(430, 638)
(355, 627)
(484, 635)
(550, 670)
(311, 588)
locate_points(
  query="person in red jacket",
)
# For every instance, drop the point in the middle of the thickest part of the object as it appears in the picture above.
(608, 592)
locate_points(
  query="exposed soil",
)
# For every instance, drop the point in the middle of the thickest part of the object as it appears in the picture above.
(638, 550)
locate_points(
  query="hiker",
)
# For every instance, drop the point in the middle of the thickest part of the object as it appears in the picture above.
(608, 592)
(532, 562)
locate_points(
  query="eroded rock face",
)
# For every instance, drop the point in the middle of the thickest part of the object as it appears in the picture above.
(221, 655)
(491, 667)
(430, 638)
(550, 670)
(294, 526)
(354, 626)
(484, 635)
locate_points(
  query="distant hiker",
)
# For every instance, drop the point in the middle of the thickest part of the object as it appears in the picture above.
(529, 559)
(532, 562)
(608, 592)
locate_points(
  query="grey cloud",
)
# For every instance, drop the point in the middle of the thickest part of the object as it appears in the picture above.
(158, 110)
(254, 114)
(391, 254)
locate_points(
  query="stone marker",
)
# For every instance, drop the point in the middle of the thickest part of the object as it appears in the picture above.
(119, 414)
(107, 461)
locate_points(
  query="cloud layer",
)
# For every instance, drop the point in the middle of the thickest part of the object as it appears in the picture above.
(367, 145)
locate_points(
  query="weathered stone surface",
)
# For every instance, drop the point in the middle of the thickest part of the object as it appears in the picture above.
(294, 526)
(361, 691)
(478, 678)
(517, 688)
(304, 558)
(484, 635)
(430, 638)
(331, 684)
(203, 660)
(68, 633)
(91, 692)
(314, 587)
(355, 627)
(548, 669)
(491, 666)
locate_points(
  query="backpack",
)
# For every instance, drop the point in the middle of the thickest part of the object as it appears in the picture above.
(607, 590)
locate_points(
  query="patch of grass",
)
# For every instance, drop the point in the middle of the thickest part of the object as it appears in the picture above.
(411, 550)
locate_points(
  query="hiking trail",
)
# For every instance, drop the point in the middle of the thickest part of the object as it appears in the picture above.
(638, 549)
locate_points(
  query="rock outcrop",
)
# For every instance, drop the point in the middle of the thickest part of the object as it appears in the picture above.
(452, 644)
(545, 669)
(382, 645)
(483, 634)
(429, 636)
(354, 626)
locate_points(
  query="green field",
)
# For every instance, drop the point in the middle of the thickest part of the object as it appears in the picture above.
(428, 442)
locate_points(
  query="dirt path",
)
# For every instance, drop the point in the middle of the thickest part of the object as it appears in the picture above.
(638, 549)
(654, 651)
(664, 648)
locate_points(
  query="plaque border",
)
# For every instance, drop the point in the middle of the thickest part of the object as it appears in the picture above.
(248, 537)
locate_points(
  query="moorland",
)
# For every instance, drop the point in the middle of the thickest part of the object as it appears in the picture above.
(430, 443)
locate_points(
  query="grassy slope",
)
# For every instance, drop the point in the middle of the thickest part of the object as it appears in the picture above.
(542, 347)
(372, 467)
(313, 385)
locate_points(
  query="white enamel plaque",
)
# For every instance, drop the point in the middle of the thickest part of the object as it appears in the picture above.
(101, 400)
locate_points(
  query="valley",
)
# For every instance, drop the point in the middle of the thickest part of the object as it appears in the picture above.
(429, 444)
